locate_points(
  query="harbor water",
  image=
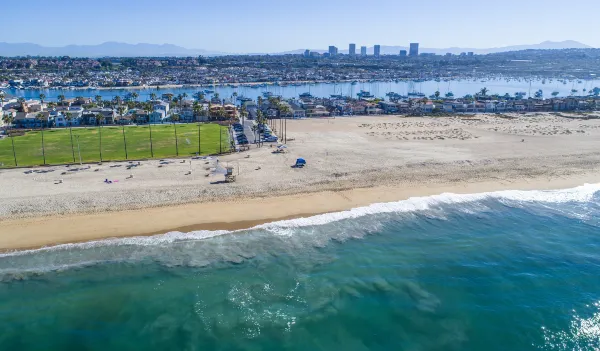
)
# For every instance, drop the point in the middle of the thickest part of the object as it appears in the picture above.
(458, 88)
(511, 270)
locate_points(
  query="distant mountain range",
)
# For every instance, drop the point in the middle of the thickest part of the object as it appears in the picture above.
(394, 50)
(116, 49)
(113, 49)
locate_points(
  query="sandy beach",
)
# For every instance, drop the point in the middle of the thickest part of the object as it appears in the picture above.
(351, 162)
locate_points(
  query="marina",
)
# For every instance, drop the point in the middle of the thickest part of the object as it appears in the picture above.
(379, 89)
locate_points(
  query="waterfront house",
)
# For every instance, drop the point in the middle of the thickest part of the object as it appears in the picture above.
(388, 107)
(448, 106)
(297, 111)
(160, 105)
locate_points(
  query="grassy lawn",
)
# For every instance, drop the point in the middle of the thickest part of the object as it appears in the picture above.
(58, 148)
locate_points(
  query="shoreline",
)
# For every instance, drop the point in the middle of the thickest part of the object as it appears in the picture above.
(32, 233)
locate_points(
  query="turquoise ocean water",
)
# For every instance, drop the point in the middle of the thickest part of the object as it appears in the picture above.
(510, 270)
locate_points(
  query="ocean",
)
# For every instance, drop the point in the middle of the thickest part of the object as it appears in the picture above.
(510, 270)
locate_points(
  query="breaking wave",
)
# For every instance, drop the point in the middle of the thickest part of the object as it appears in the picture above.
(580, 194)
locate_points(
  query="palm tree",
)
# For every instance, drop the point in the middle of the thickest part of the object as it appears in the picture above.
(120, 111)
(99, 121)
(69, 118)
(134, 96)
(117, 100)
(174, 119)
(152, 96)
(243, 113)
(483, 91)
(183, 96)
(61, 98)
(98, 99)
(1, 98)
(42, 98)
(148, 109)
(40, 117)
(285, 110)
(8, 120)
(437, 94)
(169, 96)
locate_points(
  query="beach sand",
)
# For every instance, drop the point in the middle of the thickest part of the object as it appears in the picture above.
(351, 162)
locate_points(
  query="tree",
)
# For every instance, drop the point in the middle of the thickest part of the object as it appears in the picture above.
(539, 94)
(42, 98)
(98, 99)
(69, 118)
(152, 96)
(483, 91)
(2, 97)
(437, 94)
(284, 110)
(41, 118)
(148, 109)
(61, 99)
(117, 100)
(120, 111)
(175, 119)
(99, 120)
(8, 120)
(134, 96)
(555, 93)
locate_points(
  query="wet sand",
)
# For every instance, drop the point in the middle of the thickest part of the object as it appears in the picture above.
(352, 162)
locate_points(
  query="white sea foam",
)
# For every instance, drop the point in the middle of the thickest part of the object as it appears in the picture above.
(579, 194)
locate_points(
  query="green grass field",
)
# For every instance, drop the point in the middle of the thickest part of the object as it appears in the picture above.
(58, 150)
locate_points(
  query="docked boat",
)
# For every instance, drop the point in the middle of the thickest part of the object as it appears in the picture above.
(365, 95)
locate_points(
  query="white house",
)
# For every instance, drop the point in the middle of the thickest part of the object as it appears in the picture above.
(161, 105)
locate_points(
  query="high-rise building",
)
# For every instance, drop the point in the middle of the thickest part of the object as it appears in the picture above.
(377, 50)
(306, 53)
(403, 53)
(333, 51)
(470, 53)
(363, 51)
(352, 49)
(414, 49)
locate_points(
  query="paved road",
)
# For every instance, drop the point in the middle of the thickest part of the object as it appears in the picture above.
(248, 130)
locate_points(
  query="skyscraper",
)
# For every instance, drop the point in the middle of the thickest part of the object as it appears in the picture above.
(306, 53)
(414, 49)
(403, 53)
(377, 50)
(363, 51)
(333, 51)
(352, 49)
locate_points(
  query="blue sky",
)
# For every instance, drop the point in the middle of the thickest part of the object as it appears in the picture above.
(279, 25)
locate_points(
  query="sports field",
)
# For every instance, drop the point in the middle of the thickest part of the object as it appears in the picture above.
(112, 143)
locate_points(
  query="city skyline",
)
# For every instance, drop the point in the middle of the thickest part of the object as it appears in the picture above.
(189, 26)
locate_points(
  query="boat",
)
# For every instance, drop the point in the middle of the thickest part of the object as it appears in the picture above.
(208, 91)
(267, 94)
(354, 82)
(415, 94)
(333, 96)
(365, 95)
(305, 95)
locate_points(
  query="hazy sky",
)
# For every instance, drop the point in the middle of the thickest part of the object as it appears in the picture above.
(279, 25)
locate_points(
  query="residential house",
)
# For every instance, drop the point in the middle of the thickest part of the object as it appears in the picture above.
(30, 120)
(297, 111)
(388, 107)
(448, 106)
